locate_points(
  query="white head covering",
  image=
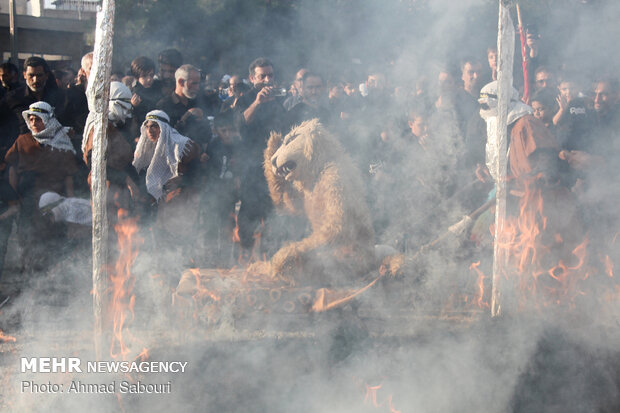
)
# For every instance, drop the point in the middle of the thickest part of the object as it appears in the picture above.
(119, 109)
(516, 110)
(74, 210)
(161, 159)
(54, 134)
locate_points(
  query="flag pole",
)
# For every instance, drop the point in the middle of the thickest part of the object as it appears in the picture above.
(98, 93)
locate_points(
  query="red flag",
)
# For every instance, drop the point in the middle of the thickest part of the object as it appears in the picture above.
(526, 66)
(525, 58)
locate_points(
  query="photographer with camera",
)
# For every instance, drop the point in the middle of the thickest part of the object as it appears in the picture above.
(261, 112)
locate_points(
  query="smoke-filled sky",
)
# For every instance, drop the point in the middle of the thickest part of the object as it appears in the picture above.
(429, 354)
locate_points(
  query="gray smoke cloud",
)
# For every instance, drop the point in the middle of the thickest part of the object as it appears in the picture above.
(413, 337)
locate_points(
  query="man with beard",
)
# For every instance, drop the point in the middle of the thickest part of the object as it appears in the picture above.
(166, 162)
(295, 98)
(9, 76)
(41, 160)
(186, 111)
(40, 86)
(471, 75)
(594, 162)
(262, 112)
(169, 61)
(313, 99)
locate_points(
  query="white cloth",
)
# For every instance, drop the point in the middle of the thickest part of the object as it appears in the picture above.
(516, 110)
(73, 210)
(54, 134)
(119, 109)
(160, 159)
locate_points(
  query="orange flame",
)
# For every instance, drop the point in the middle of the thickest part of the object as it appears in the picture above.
(371, 397)
(609, 267)
(122, 282)
(371, 394)
(5, 338)
(235, 234)
(480, 284)
(542, 273)
(144, 355)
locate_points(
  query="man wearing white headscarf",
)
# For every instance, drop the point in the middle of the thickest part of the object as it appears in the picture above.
(119, 111)
(44, 154)
(119, 154)
(39, 161)
(167, 163)
(163, 152)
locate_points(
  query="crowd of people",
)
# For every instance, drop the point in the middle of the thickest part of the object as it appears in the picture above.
(185, 151)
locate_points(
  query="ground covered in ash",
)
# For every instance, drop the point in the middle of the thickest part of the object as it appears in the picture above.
(349, 360)
(338, 363)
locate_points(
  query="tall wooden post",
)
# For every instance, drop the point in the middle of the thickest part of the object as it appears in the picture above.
(98, 93)
(505, 54)
(13, 33)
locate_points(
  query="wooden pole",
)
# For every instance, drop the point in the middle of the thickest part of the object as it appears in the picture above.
(505, 54)
(98, 94)
(13, 33)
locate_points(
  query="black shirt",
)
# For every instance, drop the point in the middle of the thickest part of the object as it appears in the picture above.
(198, 130)
(269, 116)
(18, 100)
(7, 194)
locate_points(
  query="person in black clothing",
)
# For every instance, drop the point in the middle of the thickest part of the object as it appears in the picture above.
(574, 119)
(544, 105)
(9, 207)
(77, 110)
(186, 108)
(236, 89)
(210, 95)
(169, 61)
(9, 75)
(313, 100)
(40, 86)
(594, 162)
(146, 91)
(223, 183)
(262, 112)
(77, 103)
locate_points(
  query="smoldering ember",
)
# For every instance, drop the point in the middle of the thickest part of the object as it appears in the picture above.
(310, 206)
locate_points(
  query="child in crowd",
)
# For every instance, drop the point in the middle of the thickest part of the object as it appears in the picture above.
(146, 90)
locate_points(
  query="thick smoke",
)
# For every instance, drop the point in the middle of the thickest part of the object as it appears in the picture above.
(414, 337)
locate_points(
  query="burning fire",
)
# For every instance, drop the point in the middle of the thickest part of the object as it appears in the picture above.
(371, 397)
(609, 267)
(542, 265)
(5, 338)
(122, 282)
(480, 285)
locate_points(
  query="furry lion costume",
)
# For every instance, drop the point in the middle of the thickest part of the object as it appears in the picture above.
(308, 172)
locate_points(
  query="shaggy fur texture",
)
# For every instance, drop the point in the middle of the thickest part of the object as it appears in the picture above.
(309, 172)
